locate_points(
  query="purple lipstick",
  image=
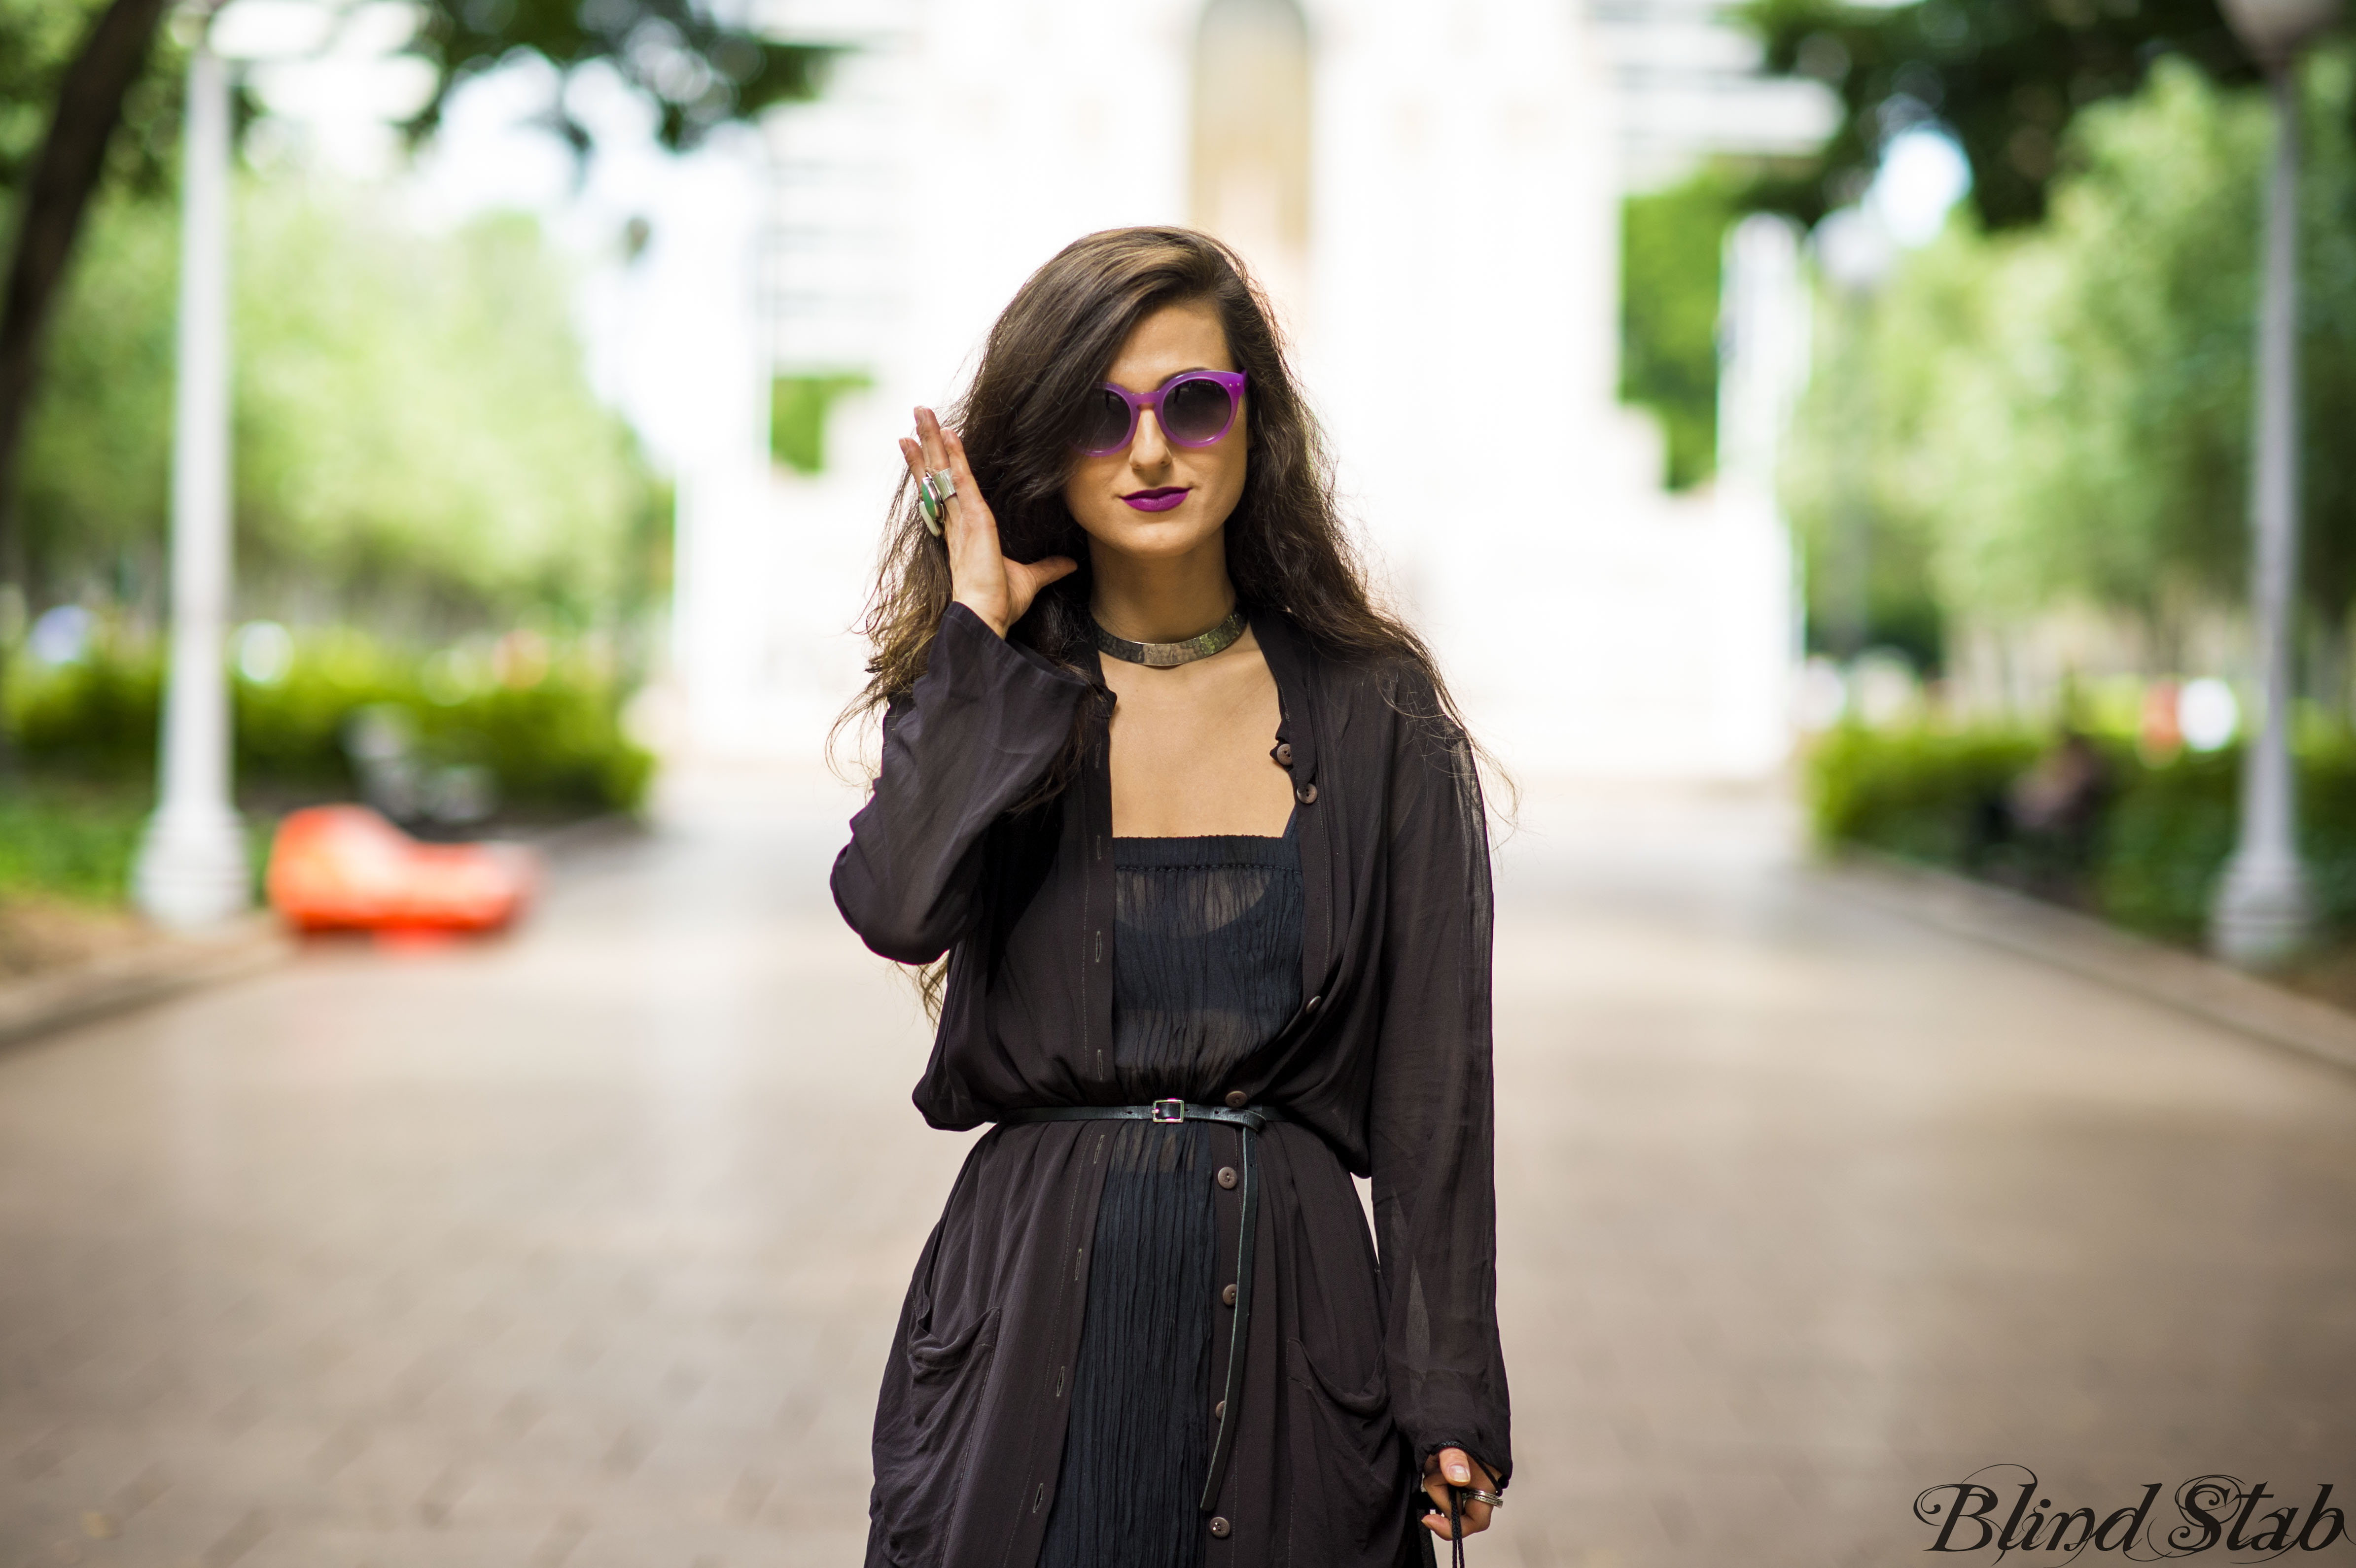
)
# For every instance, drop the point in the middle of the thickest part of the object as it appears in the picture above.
(1160, 500)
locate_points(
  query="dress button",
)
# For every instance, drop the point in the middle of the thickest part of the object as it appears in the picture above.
(1313, 1006)
(1283, 753)
(1220, 1526)
(1237, 1099)
(1306, 794)
(1227, 1297)
(1219, 1411)
(1227, 1177)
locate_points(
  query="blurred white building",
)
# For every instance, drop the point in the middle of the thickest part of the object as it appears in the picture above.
(1432, 192)
(1686, 80)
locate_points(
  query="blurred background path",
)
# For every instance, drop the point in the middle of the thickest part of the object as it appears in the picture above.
(584, 1248)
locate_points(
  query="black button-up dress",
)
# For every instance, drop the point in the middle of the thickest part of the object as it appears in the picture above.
(1355, 1368)
(1206, 967)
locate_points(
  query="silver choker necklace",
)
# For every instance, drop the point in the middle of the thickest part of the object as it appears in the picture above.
(1167, 655)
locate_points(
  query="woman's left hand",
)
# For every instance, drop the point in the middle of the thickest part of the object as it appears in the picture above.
(1453, 1466)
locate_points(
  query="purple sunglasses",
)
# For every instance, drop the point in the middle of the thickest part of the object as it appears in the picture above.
(1193, 410)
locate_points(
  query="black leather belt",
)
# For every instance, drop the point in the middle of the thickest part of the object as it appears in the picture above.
(1172, 1113)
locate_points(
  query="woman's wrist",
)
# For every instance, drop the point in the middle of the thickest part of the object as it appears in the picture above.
(981, 615)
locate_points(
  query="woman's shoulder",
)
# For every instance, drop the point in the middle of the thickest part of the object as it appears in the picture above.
(1387, 690)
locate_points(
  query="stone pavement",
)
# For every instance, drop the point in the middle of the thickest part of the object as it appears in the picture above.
(583, 1247)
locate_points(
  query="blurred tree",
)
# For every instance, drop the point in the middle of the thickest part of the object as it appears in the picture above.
(1669, 245)
(71, 72)
(459, 351)
(83, 62)
(2007, 78)
(93, 475)
(2117, 381)
(2063, 412)
(1856, 480)
(417, 447)
(699, 68)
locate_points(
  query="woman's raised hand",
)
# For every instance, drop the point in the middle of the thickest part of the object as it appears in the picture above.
(981, 577)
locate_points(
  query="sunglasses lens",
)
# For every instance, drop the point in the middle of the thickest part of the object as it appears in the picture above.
(1104, 422)
(1196, 412)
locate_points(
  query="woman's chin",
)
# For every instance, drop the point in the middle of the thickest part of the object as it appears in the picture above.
(1177, 532)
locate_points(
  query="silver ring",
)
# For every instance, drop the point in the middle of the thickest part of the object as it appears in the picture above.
(927, 507)
(1475, 1495)
(942, 487)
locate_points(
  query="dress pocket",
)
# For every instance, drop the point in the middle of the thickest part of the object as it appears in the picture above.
(923, 1432)
(1351, 1475)
(941, 1361)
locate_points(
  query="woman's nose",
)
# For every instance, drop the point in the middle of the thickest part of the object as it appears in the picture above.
(1148, 449)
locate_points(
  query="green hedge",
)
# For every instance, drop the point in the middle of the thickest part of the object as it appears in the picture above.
(71, 843)
(2160, 843)
(555, 745)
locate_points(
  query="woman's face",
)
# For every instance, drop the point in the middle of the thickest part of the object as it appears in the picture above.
(1123, 499)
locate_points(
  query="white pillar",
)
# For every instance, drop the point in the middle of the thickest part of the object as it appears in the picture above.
(2262, 911)
(192, 868)
(1755, 620)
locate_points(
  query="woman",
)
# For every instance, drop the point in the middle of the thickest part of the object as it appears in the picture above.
(1204, 843)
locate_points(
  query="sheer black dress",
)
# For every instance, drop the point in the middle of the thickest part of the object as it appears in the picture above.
(992, 1420)
(1206, 967)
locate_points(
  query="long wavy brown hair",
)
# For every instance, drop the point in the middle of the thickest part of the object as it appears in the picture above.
(1287, 549)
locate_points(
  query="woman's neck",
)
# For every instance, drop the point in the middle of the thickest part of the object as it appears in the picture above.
(1161, 598)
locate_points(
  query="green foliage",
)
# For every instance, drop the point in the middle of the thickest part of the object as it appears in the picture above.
(553, 739)
(799, 406)
(2007, 77)
(424, 423)
(696, 67)
(97, 716)
(1670, 242)
(1865, 474)
(37, 37)
(2060, 416)
(1912, 792)
(416, 445)
(2161, 843)
(94, 476)
(68, 841)
(2168, 836)
(691, 60)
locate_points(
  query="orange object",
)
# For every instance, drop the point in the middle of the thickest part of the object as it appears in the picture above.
(345, 866)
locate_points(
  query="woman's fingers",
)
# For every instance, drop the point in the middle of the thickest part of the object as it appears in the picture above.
(997, 589)
(928, 437)
(1032, 576)
(1476, 1519)
(1453, 1466)
(958, 473)
(980, 578)
(935, 451)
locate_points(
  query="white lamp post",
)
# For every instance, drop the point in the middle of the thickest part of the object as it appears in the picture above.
(192, 869)
(2262, 912)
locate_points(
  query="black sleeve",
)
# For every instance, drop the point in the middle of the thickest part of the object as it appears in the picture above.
(983, 726)
(1433, 1127)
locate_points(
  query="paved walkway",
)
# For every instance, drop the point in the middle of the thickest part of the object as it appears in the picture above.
(583, 1248)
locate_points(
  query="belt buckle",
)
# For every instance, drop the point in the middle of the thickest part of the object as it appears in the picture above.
(1167, 1111)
